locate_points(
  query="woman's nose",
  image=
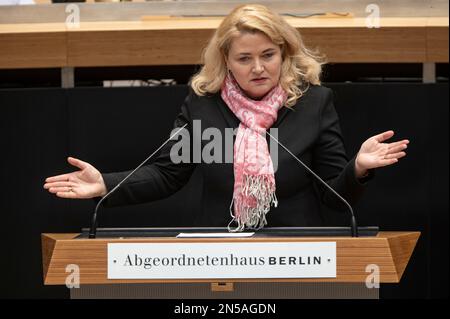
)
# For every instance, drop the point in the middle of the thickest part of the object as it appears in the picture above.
(258, 67)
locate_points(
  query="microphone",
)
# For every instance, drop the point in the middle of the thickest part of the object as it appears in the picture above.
(93, 229)
(354, 227)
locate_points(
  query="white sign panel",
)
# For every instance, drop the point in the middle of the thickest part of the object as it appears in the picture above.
(221, 260)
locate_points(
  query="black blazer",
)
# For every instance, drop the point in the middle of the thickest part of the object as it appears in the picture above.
(311, 131)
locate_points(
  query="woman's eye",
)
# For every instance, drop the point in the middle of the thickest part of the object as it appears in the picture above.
(243, 59)
(268, 55)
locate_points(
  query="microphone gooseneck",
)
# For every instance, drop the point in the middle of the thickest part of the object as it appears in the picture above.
(354, 226)
(93, 229)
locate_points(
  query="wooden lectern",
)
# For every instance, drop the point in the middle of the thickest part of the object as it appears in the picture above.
(390, 251)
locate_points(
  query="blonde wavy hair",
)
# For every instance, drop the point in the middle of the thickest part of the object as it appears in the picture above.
(300, 66)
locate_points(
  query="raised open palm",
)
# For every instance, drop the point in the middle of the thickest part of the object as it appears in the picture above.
(84, 183)
(375, 153)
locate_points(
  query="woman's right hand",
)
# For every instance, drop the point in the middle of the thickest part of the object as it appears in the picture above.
(84, 183)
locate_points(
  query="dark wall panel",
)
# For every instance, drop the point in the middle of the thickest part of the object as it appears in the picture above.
(412, 195)
(33, 142)
(115, 129)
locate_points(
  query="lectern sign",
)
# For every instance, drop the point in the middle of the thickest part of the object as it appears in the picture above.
(221, 260)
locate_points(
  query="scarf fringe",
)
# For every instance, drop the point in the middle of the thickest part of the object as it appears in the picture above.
(262, 189)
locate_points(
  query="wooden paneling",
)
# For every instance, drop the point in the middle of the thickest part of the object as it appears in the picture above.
(177, 40)
(437, 44)
(359, 45)
(33, 50)
(115, 48)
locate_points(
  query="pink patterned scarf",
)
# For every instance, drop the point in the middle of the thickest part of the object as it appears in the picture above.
(254, 181)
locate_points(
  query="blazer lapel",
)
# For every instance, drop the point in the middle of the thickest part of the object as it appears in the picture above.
(228, 115)
(281, 115)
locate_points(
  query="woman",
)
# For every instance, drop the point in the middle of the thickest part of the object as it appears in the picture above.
(257, 75)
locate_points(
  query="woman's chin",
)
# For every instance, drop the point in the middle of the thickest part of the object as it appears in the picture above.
(257, 95)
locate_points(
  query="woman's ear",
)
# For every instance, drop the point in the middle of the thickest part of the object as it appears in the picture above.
(227, 68)
(282, 51)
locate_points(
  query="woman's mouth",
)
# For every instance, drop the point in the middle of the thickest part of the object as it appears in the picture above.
(259, 80)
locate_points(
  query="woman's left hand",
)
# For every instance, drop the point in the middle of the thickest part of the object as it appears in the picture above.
(374, 153)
